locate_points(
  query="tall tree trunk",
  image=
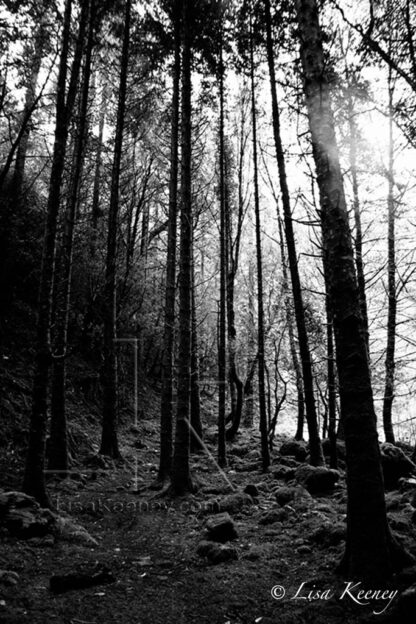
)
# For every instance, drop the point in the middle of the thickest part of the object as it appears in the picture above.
(251, 350)
(195, 396)
(181, 476)
(58, 452)
(265, 452)
(315, 446)
(222, 365)
(166, 405)
(332, 405)
(371, 552)
(292, 342)
(359, 264)
(34, 479)
(391, 289)
(235, 383)
(96, 212)
(109, 441)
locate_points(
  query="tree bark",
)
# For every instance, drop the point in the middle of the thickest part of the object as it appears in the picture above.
(196, 432)
(391, 288)
(58, 451)
(359, 264)
(265, 452)
(371, 552)
(181, 476)
(109, 440)
(292, 343)
(316, 454)
(222, 364)
(34, 478)
(166, 406)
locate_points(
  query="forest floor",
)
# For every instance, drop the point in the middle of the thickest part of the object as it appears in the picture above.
(149, 543)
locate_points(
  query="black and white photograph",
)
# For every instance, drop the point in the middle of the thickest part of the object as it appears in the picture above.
(207, 311)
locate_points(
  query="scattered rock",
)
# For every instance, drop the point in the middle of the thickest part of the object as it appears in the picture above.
(284, 495)
(221, 528)
(290, 462)
(239, 451)
(251, 489)
(29, 522)
(7, 577)
(274, 515)
(257, 551)
(329, 534)
(233, 503)
(246, 467)
(317, 479)
(296, 448)
(283, 472)
(217, 553)
(65, 582)
(67, 530)
(395, 464)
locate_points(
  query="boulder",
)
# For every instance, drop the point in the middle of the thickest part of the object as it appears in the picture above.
(221, 528)
(317, 479)
(233, 503)
(216, 553)
(295, 448)
(290, 462)
(395, 465)
(329, 534)
(239, 451)
(251, 489)
(284, 495)
(274, 515)
(23, 517)
(283, 472)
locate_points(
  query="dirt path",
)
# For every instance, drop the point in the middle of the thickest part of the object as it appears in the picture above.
(150, 544)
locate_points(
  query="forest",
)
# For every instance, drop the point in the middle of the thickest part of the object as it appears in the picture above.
(207, 311)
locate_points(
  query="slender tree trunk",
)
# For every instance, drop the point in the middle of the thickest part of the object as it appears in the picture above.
(58, 451)
(181, 477)
(371, 552)
(391, 289)
(292, 342)
(195, 397)
(260, 314)
(332, 405)
(109, 441)
(96, 212)
(166, 406)
(359, 264)
(316, 454)
(251, 349)
(222, 365)
(34, 479)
